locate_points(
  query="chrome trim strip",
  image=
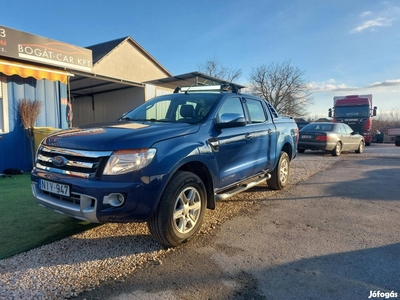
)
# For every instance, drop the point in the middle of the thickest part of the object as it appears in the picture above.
(71, 163)
(58, 171)
(84, 153)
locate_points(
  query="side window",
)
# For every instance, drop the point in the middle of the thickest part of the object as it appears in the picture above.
(347, 129)
(3, 106)
(231, 105)
(256, 111)
(342, 129)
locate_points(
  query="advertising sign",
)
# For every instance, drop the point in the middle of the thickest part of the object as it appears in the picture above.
(25, 46)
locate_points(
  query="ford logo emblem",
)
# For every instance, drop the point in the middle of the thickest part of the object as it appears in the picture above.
(59, 161)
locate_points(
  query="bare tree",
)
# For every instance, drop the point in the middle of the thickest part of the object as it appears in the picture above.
(213, 67)
(284, 86)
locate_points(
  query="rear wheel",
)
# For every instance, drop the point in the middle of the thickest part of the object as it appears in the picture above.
(181, 210)
(338, 149)
(360, 147)
(280, 175)
(301, 150)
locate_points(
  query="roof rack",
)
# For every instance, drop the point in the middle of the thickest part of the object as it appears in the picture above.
(223, 87)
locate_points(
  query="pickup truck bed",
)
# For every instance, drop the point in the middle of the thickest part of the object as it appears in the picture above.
(166, 161)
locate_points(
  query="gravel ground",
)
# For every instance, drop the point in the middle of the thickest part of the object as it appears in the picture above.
(113, 251)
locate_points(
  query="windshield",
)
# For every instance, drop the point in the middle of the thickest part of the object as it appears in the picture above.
(352, 111)
(188, 108)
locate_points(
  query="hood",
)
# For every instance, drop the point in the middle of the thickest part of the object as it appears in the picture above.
(118, 135)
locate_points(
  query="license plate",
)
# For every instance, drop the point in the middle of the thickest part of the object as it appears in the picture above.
(306, 136)
(54, 187)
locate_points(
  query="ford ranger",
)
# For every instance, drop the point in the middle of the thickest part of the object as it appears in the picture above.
(166, 161)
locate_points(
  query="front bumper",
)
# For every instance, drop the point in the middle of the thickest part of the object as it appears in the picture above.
(88, 198)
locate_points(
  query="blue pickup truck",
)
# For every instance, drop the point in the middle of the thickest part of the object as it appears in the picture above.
(166, 161)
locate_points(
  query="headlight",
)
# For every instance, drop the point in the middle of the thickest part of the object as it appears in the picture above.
(124, 161)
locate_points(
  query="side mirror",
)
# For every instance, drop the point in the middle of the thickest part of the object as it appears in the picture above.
(230, 120)
(330, 113)
(374, 111)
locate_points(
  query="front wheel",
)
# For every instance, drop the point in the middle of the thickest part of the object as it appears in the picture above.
(280, 175)
(181, 210)
(360, 147)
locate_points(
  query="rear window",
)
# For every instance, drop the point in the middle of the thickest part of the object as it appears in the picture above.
(318, 127)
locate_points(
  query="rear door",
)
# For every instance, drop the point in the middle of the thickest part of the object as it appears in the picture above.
(354, 140)
(344, 136)
(263, 135)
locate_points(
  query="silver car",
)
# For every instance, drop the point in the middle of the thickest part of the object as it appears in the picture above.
(329, 136)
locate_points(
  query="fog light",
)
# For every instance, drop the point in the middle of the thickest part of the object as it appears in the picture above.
(33, 186)
(115, 199)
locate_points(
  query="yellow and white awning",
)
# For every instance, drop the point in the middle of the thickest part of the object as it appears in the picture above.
(26, 70)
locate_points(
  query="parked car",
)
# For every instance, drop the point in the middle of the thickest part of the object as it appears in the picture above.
(166, 161)
(329, 136)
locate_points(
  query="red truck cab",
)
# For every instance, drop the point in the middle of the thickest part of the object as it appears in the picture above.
(356, 111)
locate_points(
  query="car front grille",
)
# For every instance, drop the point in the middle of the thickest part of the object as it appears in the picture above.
(78, 163)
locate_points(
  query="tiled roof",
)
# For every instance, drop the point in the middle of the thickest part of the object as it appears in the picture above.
(102, 49)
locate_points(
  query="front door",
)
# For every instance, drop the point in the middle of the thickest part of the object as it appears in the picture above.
(235, 155)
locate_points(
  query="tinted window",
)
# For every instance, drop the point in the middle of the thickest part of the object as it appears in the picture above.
(256, 111)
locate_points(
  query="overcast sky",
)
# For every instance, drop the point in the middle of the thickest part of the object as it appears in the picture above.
(343, 46)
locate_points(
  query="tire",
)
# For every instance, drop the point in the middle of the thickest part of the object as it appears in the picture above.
(360, 147)
(367, 144)
(181, 210)
(280, 175)
(301, 150)
(397, 143)
(338, 149)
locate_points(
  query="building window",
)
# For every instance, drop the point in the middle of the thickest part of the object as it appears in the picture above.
(3, 106)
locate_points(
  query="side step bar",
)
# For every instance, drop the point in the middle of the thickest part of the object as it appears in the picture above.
(241, 188)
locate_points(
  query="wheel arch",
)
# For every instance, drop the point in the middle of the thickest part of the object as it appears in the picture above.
(288, 148)
(203, 172)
